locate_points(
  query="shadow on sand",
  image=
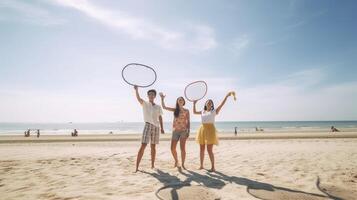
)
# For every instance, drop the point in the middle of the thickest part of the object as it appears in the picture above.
(268, 191)
(335, 192)
(175, 184)
(218, 180)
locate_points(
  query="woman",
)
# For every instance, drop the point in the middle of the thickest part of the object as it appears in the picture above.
(207, 132)
(181, 128)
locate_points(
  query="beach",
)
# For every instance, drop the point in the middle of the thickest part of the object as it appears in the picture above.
(277, 166)
(91, 92)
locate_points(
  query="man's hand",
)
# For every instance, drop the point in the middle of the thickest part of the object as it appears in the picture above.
(162, 131)
(135, 87)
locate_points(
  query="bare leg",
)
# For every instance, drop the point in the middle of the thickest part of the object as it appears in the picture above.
(153, 155)
(202, 155)
(140, 156)
(173, 151)
(211, 156)
(183, 151)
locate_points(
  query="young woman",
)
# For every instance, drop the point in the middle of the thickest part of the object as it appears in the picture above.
(181, 128)
(207, 132)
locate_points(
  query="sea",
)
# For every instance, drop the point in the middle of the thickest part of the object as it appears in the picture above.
(137, 127)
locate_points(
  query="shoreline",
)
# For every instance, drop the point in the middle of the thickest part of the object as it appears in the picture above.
(4, 139)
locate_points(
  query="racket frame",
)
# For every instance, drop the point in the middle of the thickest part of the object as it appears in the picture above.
(143, 86)
(206, 89)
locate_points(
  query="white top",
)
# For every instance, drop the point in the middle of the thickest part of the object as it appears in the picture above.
(152, 113)
(208, 117)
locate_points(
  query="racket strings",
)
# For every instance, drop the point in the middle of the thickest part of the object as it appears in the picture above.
(195, 90)
(139, 75)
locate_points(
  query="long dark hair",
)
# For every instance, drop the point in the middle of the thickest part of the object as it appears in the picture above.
(212, 107)
(177, 109)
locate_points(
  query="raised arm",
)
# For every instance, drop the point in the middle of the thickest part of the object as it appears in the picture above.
(223, 102)
(194, 109)
(163, 103)
(140, 100)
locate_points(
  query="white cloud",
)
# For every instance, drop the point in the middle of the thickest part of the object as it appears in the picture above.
(195, 38)
(29, 13)
(240, 44)
(307, 77)
(299, 18)
(296, 98)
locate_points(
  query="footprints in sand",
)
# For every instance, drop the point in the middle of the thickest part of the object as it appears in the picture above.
(114, 154)
(261, 174)
(53, 178)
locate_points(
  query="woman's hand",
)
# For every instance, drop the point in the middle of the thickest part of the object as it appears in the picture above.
(232, 93)
(162, 95)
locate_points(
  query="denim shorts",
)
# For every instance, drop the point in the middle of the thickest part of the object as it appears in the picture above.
(177, 135)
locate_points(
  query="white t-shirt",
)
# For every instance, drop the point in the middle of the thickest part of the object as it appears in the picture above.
(152, 113)
(208, 117)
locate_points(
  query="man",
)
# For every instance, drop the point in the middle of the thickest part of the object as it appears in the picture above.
(153, 122)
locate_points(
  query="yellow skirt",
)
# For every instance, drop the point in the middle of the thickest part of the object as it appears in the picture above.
(207, 134)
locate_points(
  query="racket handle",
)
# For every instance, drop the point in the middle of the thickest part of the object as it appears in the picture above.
(234, 95)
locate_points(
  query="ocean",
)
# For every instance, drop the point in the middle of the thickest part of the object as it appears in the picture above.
(137, 127)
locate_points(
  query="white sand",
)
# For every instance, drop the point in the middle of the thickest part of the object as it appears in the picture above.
(269, 169)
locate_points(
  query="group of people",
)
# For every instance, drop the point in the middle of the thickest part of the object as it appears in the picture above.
(74, 133)
(206, 136)
(28, 132)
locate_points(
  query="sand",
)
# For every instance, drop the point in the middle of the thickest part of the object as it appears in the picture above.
(247, 168)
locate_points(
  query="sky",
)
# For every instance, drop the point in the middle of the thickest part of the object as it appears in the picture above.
(287, 60)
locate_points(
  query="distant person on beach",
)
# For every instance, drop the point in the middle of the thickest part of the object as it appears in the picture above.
(206, 135)
(235, 131)
(153, 123)
(180, 129)
(258, 129)
(333, 129)
(27, 133)
(74, 133)
(38, 133)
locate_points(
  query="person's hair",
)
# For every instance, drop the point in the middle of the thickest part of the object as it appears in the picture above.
(212, 107)
(177, 109)
(153, 91)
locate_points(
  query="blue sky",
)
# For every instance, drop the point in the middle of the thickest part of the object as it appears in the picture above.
(61, 60)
